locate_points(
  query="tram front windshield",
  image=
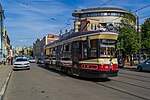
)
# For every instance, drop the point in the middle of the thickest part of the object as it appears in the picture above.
(107, 48)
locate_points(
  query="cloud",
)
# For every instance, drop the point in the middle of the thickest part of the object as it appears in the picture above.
(33, 21)
(22, 40)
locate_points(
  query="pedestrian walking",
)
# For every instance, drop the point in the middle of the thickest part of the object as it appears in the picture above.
(11, 60)
(4, 61)
(131, 60)
(8, 60)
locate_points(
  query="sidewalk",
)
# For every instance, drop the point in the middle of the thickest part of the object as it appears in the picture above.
(128, 66)
(5, 73)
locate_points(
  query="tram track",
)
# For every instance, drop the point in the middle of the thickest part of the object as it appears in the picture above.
(134, 75)
(133, 78)
(147, 88)
(122, 91)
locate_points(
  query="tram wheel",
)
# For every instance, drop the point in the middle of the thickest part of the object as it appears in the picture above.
(61, 69)
(69, 72)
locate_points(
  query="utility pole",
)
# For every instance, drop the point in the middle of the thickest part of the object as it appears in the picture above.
(139, 34)
(1, 32)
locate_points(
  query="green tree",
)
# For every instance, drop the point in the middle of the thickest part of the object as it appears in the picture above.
(31, 52)
(128, 34)
(130, 39)
(21, 52)
(145, 34)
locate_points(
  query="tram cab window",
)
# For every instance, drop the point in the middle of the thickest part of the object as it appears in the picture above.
(107, 48)
(107, 51)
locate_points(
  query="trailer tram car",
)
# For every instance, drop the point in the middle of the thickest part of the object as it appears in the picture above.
(87, 54)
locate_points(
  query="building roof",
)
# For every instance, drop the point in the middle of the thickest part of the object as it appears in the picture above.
(99, 9)
(103, 8)
(76, 34)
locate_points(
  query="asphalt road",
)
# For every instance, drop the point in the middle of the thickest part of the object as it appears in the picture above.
(41, 83)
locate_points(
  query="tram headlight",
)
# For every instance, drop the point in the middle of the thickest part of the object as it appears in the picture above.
(111, 64)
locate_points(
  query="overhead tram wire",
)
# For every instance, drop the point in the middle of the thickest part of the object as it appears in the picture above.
(144, 17)
(32, 10)
(135, 11)
(42, 1)
(54, 19)
(141, 8)
(105, 3)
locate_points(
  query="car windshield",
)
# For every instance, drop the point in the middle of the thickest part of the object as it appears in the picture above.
(41, 59)
(31, 58)
(21, 59)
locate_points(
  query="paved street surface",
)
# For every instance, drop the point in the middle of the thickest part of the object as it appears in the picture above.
(4, 70)
(5, 73)
(41, 83)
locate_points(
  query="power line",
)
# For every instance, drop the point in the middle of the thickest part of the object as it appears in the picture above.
(23, 38)
(141, 8)
(144, 17)
(135, 11)
(42, 1)
(26, 4)
(105, 3)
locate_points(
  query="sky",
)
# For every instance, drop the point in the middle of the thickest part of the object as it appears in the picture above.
(27, 20)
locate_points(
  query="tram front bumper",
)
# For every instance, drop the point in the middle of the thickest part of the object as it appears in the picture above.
(98, 74)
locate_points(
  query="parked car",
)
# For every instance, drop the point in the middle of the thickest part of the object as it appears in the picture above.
(21, 63)
(47, 61)
(40, 61)
(144, 66)
(120, 62)
(32, 60)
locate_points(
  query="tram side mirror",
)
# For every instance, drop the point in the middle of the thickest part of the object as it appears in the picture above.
(88, 42)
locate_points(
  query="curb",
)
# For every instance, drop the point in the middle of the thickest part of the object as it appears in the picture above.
(2, 91)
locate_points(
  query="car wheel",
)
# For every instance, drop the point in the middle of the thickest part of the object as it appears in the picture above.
(139, 68)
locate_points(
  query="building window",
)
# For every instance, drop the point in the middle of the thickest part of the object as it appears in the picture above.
(92, 26)
(95, 27)
(102, 14)
(109, 14)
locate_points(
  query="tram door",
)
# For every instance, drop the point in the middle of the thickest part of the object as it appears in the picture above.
(75, 58)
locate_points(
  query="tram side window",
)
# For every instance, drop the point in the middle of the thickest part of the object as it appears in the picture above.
(85, 50)
(54, 52)
(61, 49)
(67, 47)
(67, 51)
(93, 49)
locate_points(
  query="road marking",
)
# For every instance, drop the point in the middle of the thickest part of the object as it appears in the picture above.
(5, 85)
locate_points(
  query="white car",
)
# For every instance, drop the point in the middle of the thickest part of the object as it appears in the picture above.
(21, 63)
(32, 60)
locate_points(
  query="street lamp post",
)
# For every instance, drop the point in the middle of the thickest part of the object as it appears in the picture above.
(139, 34)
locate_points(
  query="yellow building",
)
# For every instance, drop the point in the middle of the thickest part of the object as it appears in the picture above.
(6, 44)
